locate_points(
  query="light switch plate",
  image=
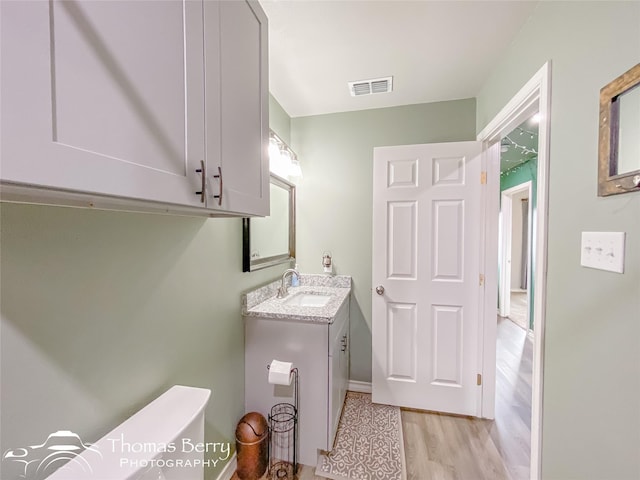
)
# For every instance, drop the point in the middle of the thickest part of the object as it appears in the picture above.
(603, 250)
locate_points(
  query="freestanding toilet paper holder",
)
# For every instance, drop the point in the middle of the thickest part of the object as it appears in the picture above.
(283, 442)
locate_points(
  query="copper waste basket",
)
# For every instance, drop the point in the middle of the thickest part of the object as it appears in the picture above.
(252, 446)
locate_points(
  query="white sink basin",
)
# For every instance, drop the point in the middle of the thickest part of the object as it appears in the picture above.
(306, 299)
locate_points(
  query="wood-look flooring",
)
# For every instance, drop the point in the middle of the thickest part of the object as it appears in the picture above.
(445, 447)
(462, 448)
(519, 307)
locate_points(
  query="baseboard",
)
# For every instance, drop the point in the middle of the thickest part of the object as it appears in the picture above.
(229, 469)
(356, 386)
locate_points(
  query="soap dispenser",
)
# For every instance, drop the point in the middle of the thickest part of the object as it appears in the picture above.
(295, 279)
(326, 262)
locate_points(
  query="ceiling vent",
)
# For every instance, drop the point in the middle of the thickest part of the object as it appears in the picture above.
(369, 87)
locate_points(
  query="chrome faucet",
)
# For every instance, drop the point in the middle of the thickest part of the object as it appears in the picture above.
(283, 290)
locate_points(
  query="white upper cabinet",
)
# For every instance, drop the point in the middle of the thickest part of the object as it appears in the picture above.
(100, 97)
(237, 119)
(108, 99)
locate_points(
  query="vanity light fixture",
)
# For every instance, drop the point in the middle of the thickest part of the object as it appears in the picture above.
(295, 170)
(282, 160)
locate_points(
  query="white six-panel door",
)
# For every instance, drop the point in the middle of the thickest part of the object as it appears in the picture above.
(426, 276)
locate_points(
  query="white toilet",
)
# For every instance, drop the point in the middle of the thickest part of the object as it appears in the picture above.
(163, 441)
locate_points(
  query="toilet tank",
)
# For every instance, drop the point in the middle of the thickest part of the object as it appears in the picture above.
(162, 441)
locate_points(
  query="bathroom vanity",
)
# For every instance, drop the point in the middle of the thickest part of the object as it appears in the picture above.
(309, 327)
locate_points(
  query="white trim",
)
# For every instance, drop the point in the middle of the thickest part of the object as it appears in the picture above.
(357, 386)
(504, 233)
(536, 92)
(540, 281)
(520, 107)
(229, 469)
(487, 328)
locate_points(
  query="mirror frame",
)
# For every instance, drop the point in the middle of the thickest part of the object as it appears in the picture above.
(251, 265)
(610, 182)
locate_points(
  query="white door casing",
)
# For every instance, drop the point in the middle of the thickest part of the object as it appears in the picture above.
(427, 240)
(534, 96)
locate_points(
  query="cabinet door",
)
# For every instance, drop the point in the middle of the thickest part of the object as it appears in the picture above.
(338, 380)
(243, 104)
(104, 97)
(306, 345)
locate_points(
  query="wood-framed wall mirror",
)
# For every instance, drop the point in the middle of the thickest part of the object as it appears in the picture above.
(619, 139)
(268, 241)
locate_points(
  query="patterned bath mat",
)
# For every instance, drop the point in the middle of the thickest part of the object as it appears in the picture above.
(368, 445)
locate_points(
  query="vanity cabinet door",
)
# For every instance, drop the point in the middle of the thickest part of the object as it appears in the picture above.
(338, 370)
(306, 345)
(237, 107)
(104, 98)
(338, 380)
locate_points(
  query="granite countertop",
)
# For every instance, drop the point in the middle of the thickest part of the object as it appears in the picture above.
(263, 303)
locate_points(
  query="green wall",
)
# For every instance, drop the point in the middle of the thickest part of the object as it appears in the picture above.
(279, 120)
(335, 195)
(103, 311)
(522, 173)
(591, 414)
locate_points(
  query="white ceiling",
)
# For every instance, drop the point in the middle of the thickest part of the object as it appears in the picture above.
(435, 50)
(520, 145)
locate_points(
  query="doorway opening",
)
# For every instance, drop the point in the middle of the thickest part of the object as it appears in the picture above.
(517, 217)
(533, 97)
(516, 265)
(515, 255)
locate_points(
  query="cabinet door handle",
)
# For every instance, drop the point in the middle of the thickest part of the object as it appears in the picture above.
(380, 290)
(202, 171)
(219, 197)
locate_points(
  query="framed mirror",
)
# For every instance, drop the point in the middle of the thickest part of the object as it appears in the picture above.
(619, 139)
(268, 241)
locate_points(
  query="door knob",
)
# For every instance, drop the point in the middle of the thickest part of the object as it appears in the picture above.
(380, 290)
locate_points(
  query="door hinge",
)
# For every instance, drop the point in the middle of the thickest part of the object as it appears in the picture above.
(483, 178)
(479, 379)
(481, 279)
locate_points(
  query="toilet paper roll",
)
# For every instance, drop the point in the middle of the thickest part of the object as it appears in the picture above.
(280, 372)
